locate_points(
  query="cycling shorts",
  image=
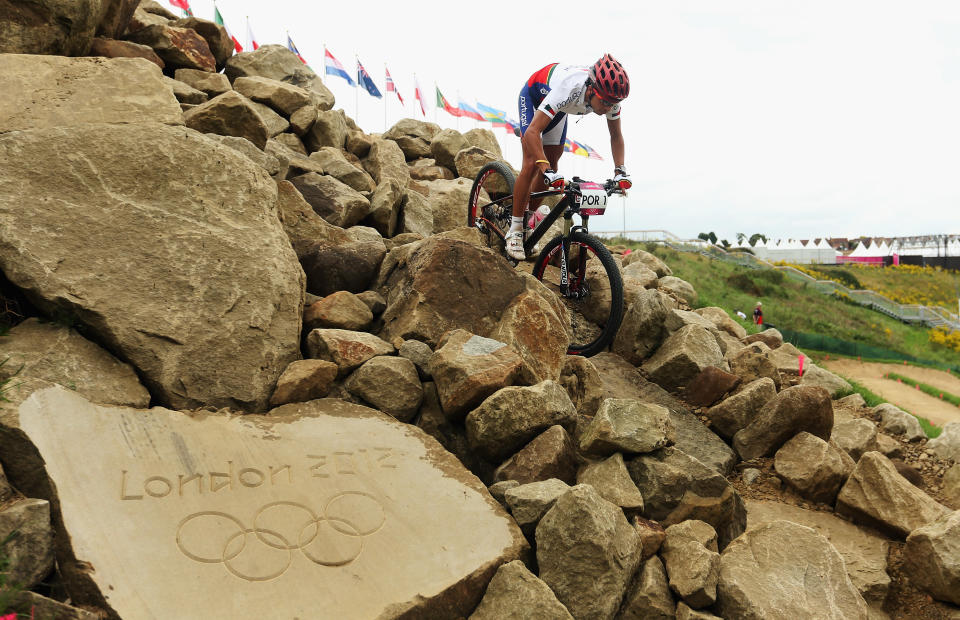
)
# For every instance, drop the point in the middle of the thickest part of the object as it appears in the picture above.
(531, 96)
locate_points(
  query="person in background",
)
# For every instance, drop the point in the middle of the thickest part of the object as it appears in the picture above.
(758, 315)
(742, 316)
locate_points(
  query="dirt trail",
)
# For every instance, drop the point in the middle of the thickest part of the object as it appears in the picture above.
(870, 375)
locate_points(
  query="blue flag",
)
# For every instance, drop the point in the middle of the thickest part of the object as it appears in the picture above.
(364, 79)
(491, 114)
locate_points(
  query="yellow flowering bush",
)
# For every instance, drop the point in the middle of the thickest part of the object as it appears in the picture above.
(941, 336)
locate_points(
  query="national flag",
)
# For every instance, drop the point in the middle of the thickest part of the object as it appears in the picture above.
(591, 154)
(251, 40)
(182, 4)
(443, 103)
(391, 87)
(332, 66)
(492, 114)
(293, 48)
(218, 20)
(470, 112)
(364, 79)
(575, 147)
(418, 94)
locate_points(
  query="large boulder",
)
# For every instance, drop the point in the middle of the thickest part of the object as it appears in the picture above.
(737, 411)
(336, 165)
(676, 487)
(223, 343)
(650, 261)
(413, 137)
(177, 47)
(649, 596)
(947, 444)
(278, 63)
(37, 355)
(896, 421)
(111, 48)
(311, 505)
(720, 318)
(282, 97)
(349, 265)
(446, 200)
(864, 551)
(385, 161)
(811, 466)
(329, 129)
(753, 362)
(878, 496)
(785, 570)
(27, 535)
(587, 552)
(55, 27)
(515, 592)
(623, 380)
(229, 114)
(683, 356)
(443, 283)
(52, 91)
(445, 145)
(795, 409)
(681, 288)
(303, 226)
(216, 36)
(551, 454)
(642, 329)
(512, 416)
(612, 481)
(336, 202)
(484, 139)
(932, 557)
(628, 426)
(468, 368)
(390, 384)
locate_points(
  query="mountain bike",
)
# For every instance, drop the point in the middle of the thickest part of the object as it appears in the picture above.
(574, 264)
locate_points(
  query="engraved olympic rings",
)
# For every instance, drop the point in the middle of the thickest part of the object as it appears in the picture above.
(334, 538)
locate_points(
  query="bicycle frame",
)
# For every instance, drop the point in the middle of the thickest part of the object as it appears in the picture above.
(561, 209)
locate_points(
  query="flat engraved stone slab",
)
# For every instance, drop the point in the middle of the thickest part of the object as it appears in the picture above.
(318, 510)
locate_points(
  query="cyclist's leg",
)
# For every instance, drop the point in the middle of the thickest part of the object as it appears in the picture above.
(553, 138)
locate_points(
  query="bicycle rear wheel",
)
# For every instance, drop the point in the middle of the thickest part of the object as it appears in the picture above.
(594, 294)
(491, 203)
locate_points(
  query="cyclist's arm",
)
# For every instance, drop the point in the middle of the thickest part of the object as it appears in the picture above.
(616, 141)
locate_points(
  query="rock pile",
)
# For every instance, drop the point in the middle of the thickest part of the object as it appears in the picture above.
(216, 244)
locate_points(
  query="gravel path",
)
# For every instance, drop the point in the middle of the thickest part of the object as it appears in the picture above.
(870, 375)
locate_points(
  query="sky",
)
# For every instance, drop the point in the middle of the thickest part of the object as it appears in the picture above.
(836, 118)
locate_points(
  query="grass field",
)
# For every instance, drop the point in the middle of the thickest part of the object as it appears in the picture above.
(795, 305)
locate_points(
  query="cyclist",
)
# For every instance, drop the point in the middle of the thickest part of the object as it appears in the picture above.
(545, 101)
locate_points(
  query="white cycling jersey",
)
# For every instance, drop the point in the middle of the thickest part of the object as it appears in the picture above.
(566, 87)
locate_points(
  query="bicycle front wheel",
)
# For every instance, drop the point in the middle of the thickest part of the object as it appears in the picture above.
(593, 294)
(491, 203)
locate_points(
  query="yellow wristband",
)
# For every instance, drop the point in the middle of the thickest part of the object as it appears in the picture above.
(542, 161)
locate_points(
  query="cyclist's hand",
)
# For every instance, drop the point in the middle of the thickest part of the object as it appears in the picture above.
(553, 179)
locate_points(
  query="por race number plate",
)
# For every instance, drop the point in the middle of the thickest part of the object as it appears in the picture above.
(592, 199)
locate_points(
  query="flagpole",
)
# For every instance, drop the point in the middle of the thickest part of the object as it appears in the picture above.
(458, 107)
(435, 89)
(385, 98)
(356, 93)
(324, 72)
